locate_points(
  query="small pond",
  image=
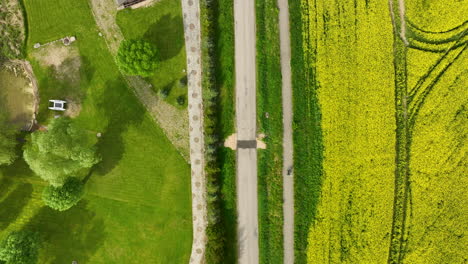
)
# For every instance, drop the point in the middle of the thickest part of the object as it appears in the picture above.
(16, 97)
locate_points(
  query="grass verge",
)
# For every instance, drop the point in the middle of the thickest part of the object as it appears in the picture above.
(308, 145)
(269, 109)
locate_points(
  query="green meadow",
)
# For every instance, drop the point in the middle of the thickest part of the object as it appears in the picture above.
(137, 206)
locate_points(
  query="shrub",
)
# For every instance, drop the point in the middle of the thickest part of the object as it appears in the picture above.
(183, 82)
(181, 100)
(20, 247)
(65, 197)
(164, 92)
(137, 57)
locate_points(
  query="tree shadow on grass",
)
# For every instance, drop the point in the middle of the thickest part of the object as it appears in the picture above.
(75, 234)
(167, 35)
(123, 110)
(13, 204)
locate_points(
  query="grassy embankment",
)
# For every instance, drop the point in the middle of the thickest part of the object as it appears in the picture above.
(137, 203)
(218, 95)
(351, 47)
(270, 160)
(161, 25)
(308, 145)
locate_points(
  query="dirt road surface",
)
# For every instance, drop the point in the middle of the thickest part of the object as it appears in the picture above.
(247, 202)
(288, 180)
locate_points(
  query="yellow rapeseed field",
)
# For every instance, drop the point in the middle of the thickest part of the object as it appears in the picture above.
(436, 15)
(353, 49)
(438, 166)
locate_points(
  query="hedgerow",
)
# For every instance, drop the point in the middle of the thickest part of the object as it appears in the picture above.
(218, 121)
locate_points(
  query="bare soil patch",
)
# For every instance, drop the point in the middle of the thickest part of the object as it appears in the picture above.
(55, 54)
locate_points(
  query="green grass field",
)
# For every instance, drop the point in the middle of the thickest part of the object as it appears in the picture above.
(161, 25)
(307, 132)
(137, 204)
(270, 160)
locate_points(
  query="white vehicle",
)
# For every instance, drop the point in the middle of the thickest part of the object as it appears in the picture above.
(57, 105)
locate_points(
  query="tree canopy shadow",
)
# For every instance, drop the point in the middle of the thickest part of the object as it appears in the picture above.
(167, 35)
(122, 110)
(13, 204)
(75, 234)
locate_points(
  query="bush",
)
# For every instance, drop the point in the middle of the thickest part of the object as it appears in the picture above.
(63, 150)
(65, 197)
(137, 57)
(181, 100)
(164, 92)
(183, 82)
(20, 247)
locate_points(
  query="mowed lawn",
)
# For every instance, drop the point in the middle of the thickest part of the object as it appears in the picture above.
(137, 204)
(161, 25)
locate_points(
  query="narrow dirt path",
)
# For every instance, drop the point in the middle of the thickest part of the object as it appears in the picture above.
(173, 121)
(288, 180)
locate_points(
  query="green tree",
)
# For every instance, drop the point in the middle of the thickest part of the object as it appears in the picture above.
(65, 197)
(7, 140)
(137, 57)
(64, 149)
(20, 247)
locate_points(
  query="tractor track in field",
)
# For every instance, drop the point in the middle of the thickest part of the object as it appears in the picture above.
(407, 106)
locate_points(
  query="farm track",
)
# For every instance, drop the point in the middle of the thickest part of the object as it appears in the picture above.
(408, 104)
(173, 121)
(288, 180)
